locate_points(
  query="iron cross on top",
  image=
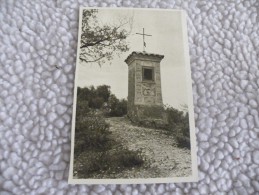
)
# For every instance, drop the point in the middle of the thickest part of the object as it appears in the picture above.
(143, 34)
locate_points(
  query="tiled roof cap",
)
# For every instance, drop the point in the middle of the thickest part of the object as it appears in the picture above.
(160, 57)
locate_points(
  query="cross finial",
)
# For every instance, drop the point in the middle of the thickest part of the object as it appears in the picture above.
(143, 34)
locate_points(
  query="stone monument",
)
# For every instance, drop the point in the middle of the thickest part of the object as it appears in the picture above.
(145, 104)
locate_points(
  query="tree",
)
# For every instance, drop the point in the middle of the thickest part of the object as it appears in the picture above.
(83, 93)
(96, 102)
(100, 42)
(117, 107)
(184, 108)
(104, 92)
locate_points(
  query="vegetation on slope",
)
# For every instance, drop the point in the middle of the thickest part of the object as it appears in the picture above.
(95, 151)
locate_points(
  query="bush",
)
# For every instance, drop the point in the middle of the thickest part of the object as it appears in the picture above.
(110, 161)
(183, 142)
(94, 96)
(117, 107)
(96, 102)
(178, 125)
(82, 109)
(129, 158)
(182, 135)
(91, 132)
(101, 98)
(94, 150)
(174, 116)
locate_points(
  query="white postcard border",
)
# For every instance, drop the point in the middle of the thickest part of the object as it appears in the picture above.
(194, 176)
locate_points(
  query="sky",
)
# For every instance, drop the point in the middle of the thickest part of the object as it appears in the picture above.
(167, 39)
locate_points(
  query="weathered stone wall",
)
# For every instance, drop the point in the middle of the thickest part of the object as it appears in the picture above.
(149, 115)
(138, 94)
(148, 92)
(131, 88)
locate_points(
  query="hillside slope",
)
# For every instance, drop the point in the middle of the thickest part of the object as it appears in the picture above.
(164, 157)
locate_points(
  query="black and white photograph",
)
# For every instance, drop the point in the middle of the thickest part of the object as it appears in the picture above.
(133, 118)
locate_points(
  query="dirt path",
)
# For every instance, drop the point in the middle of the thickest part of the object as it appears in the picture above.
(167, 160)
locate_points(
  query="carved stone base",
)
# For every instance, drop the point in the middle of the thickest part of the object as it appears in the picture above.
(149, 116)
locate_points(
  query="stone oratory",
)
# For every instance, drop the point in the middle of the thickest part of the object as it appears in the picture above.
(145, 103)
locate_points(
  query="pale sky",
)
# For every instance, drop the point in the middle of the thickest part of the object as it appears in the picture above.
(167, 39)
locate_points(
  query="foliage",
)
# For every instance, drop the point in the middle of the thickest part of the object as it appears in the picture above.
(101, 98)
(178, 125)
(96, 102)
(104, 92)
(174, 116)
(95, 150)
(109, 161)
(117, 107)
(82, 109)
(82, 94)
(91, 130)
(99, 42)
(94, 97)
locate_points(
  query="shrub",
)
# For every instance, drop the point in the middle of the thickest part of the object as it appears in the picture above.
(117, 107)
(129, 158)
(174, 116)
(96, 102)
(91, 132)
(82, 109)
(95, 96)
(89, 162)
(178, 125)
(182, 136)
(101, 98)
(95, 150)
(110, 161)
(183, 142)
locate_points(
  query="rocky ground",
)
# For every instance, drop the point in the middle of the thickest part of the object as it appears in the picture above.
(164, 158)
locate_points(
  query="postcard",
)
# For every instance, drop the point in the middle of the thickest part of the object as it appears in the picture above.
(133, 116)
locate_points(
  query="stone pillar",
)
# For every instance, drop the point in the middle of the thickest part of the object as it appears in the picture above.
(145, 104)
